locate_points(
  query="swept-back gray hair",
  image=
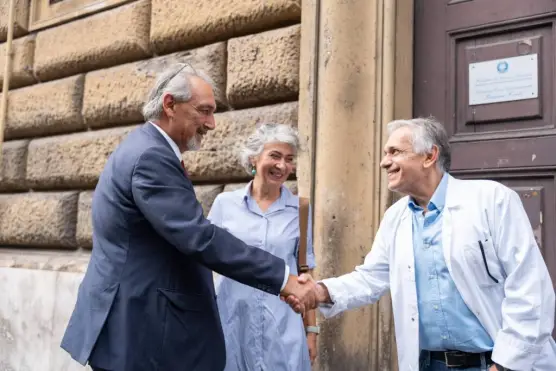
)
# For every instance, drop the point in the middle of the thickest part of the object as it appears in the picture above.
(267, 133)
(426, 133)
(175, 80)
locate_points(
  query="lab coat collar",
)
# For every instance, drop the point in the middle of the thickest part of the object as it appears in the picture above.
(454, 197)
(454, 193)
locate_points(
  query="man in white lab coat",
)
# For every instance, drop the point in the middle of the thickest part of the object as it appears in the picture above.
(470, 289)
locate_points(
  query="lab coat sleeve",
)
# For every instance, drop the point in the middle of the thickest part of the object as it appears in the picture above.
(365, 285)
(528, 306)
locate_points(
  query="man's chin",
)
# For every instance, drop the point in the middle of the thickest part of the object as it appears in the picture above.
(393, 186)
(194, 144)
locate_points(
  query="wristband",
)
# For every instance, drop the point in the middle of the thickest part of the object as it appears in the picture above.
(312, 329)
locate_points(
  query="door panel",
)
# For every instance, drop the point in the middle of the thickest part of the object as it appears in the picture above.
(529, 115)
(513, 142)
(467, 14)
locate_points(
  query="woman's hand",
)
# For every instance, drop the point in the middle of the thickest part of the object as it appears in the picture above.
(312, 343)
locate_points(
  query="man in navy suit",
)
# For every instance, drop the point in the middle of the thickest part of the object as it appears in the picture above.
(147, 300)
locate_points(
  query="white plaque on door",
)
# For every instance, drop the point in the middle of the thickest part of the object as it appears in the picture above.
(504, 80)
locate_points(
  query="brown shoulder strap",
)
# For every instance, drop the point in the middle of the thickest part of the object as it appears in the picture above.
(303, 225)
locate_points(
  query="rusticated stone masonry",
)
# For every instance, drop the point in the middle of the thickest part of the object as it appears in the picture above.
(114, 96)
(49, 108)
(22, 62)
(77, 90)
(101, 40)
(21, 18)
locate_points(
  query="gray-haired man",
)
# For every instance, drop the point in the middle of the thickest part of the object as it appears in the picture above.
(147, 301)
(469, 286)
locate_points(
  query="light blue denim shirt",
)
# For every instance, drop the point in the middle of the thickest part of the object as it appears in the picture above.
(445, 321)
(261, 331)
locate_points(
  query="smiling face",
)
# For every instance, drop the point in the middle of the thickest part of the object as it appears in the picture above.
(405, 168)
(190, 121)
(275, 164)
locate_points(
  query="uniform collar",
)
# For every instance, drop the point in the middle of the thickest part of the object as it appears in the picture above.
(455, 192)
(287, 198)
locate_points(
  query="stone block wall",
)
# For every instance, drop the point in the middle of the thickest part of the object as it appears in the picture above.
(76, 90)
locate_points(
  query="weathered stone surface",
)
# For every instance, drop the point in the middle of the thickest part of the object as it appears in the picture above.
(14, 160)
(116, 95)
(49, 108)
(102, 40)
(74, 261)
(21, 18)
(22, 63)
(290, 184)
(180, 24)
(264, 68)
(38, 219)
(74, 160)
(217, 160)
(206, 195)
(234, 186)
(84, 232)
(35, 308)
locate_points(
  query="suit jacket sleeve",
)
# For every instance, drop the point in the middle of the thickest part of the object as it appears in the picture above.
(167, 200)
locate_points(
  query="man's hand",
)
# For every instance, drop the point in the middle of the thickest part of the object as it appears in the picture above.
(319, 294)
(301, 292)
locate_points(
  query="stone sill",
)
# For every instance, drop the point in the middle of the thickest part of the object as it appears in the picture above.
(61, 261)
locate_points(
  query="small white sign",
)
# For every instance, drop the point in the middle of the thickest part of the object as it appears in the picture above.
(504, 80)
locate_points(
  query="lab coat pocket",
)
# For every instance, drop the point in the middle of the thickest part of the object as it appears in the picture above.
(483, 263)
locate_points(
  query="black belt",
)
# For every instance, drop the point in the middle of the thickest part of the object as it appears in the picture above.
(455, 358)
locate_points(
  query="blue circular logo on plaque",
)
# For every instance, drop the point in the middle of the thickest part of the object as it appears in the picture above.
(502, 66)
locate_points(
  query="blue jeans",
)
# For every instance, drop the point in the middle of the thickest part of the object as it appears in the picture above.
(428, 364)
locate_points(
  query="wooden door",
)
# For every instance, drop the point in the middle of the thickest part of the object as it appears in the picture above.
(485, 68)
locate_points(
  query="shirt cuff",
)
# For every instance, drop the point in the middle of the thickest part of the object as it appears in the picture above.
(337, 306)
(286, 276)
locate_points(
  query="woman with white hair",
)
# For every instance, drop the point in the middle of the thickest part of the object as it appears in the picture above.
(261, 331)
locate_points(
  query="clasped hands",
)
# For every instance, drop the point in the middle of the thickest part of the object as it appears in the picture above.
(303, 293)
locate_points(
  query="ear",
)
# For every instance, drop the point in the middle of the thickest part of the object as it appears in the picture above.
(168, 103)
(432, 157)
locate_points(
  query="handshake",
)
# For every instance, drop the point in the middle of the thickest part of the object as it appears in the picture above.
(303, 293)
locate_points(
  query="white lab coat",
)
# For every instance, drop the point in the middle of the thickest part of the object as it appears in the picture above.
(518, 312)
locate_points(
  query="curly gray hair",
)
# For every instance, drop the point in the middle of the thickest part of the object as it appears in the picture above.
(426, 133)
(267, 133)
(175, 80)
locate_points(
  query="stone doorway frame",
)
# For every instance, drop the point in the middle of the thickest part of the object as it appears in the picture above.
(356, 74)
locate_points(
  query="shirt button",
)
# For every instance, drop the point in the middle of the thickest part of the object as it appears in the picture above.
(436, 307)
(444, 337)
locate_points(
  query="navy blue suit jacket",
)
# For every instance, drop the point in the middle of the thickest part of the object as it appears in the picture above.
(147, 300)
